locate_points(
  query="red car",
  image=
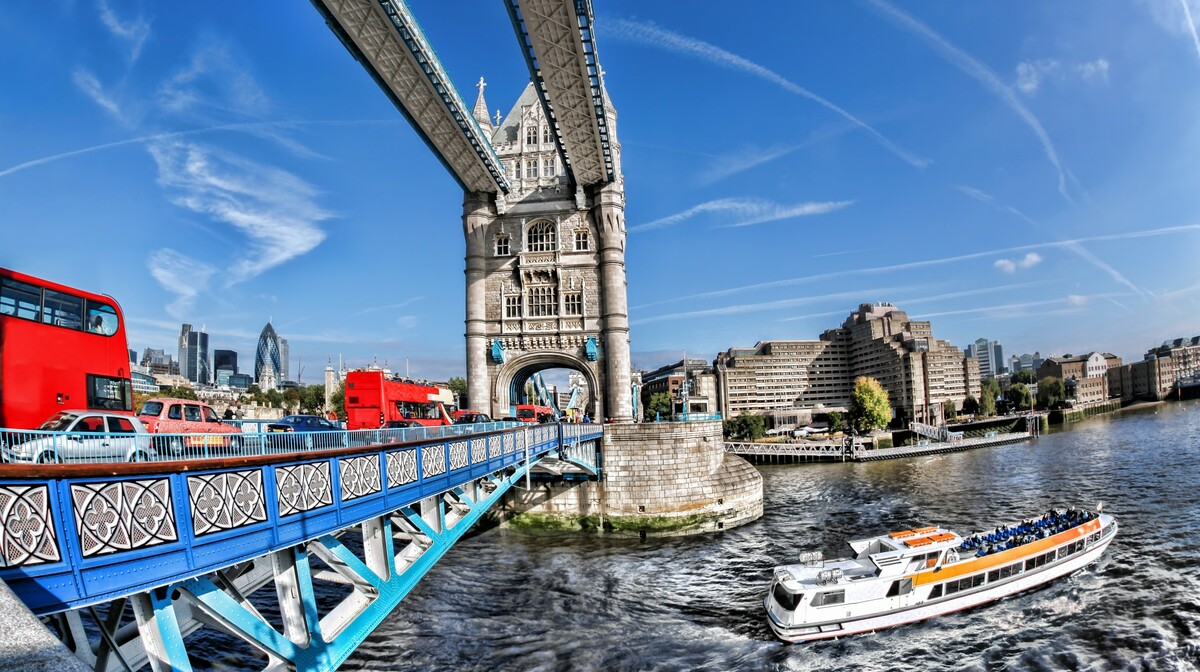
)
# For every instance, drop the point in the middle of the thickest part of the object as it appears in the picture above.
(163, 415)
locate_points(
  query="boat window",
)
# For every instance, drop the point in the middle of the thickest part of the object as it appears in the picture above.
(993, 575)
(786, 598)
(977, 580)
(936, 592)
(900, 587)
(1062, 552)
(828, 598)
(1030, 564)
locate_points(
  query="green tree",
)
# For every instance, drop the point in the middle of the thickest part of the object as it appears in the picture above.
(338, 401)
(970, 405)
(836, 423)
(291, 397)
(178, 392)
(869, 407)
(458, 385)
(274, 398)
(312, 399)
(950, 410)
(987, 398)
(1025, 376)
(1051, 392)
(1019, 397)
(747, 426)
(660, 403)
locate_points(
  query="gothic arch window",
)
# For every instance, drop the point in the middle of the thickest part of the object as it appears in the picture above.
(531, 135)
(545, 135)
(548, 167)
(541, 238)
(582, 240)
(503, 247)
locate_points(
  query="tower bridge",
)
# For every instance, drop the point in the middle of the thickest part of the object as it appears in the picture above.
(125, 561)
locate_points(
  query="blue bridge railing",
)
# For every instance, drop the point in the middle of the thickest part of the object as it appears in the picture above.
(80, 534)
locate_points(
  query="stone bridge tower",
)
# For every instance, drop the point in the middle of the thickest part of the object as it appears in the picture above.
(545, 269)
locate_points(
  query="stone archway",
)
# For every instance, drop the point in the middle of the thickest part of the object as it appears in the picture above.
(521, 368)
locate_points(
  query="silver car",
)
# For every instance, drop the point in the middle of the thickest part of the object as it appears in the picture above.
(80, 436)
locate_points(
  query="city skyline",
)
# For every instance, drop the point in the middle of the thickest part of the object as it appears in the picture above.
(1033, 187)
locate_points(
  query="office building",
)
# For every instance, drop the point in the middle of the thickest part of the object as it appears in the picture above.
(158, 362)
(268, 369)
(283, 360)
(225, 359)
(990, 355)
(920, 373)
(1025, 362)
(696, 374)
(193, 355)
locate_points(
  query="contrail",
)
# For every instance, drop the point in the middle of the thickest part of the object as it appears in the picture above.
(176, 134)
(981, 73)
(1187, 12)
(930, 262)
(653, 36)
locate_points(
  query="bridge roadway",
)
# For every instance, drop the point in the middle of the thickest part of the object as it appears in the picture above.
(147, 553)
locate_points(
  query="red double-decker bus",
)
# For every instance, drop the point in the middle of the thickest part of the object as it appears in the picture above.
(534, 413)
(60, 348)
(373, 398)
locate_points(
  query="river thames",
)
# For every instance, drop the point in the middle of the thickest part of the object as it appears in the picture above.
(501, 600)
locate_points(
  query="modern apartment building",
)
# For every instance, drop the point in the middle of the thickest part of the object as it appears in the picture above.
(919, 372)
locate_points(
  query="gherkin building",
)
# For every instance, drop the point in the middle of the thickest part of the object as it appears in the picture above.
(266, 357)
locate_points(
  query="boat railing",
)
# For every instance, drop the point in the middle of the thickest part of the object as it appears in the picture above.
(811, 558)
(828, 577)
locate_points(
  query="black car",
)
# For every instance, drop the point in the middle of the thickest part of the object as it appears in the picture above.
(317, 432)
(471, 418)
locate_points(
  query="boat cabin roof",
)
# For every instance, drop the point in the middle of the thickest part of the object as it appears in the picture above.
(906, 543)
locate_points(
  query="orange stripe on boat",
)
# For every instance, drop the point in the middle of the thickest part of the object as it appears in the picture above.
(1033, 548)
(901, 534)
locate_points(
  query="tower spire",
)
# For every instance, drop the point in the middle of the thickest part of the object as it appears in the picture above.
(480, 111)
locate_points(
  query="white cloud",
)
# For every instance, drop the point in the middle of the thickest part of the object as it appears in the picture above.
(135, 31)
(182, 276)
(212, 80)
(1076, 299)
(1030, 260)
(745, 211)
(1096, 70)
(653, 36)
(274, 208)
(1031, 74)
(91, 86)
(974, 193)
(982, 74)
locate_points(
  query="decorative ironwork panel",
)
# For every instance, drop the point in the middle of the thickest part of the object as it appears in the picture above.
(303, 487)
(495, 447)
(226, 500)
(478, 450)
(360, 476)
(458, 454)
(401, 467)
(124, 515)
(433, 460)
(510, 443)
(27, 536)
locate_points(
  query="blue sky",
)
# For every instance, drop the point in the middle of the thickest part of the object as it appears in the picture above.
(1022, 171)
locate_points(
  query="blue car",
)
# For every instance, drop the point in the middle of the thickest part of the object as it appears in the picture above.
(317, 433)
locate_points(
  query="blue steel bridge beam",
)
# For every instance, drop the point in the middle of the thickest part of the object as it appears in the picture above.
(558, 42)
(384, 37)
(381, 579)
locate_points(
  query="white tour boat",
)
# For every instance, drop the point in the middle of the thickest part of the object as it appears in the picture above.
(916, 574)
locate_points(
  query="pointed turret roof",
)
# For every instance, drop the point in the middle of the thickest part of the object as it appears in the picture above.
(480, 111)
(506, 132)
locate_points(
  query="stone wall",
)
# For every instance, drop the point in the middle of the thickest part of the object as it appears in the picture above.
(659, 479)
